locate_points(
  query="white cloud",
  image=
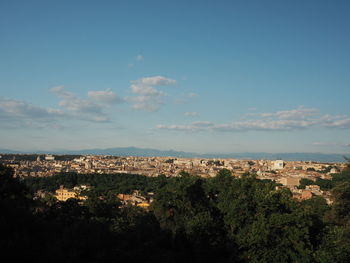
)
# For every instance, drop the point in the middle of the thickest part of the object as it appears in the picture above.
(176, 127)
(288, 120)
(145, 90)
(78, 107)
(264, 125)
(146, 102)
(299, 113)
(105, 96)
(339, 123)
(329, 144)
(147, 96)
(155, 81)
(25, 109)
(139, 57)
(202, 124)
(15, 113)
(257, 125)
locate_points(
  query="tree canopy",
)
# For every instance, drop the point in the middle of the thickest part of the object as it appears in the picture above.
(192, 219)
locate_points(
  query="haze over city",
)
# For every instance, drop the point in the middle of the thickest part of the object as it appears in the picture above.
(198, 76)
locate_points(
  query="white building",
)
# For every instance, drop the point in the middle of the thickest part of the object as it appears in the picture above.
(278, 165)
(49, 157)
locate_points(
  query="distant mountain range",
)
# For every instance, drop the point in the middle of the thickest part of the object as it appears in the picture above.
(134, 151)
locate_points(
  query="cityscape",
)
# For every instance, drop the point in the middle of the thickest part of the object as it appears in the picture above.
(175, 131)
(288, 174)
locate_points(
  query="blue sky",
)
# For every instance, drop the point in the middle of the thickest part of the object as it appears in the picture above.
(201, 76)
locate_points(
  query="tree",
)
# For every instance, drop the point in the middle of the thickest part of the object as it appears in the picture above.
(340, 211)
(347, 168)
(102, 204)
(304, 181)
(182, 207)
(184, 173)
(18, 226)
(266, 224)
(218, 184)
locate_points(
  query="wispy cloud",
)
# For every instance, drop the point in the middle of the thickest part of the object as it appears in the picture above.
(155, 81)
(93, 107)
(139, 57)
(105, 96)
(191, 114)
(16, 113)
(25, 109)
(299, 113)
(147, 97)
(330, 144)
(135, 60)
(185, 98)
(288, 120)
(257, 125)
(342, 122)
(78, 107)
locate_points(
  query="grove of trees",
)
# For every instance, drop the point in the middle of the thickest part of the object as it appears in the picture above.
(193, 219)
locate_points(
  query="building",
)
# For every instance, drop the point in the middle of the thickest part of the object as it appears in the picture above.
(88, 165)
(290, 181)
(134, 199)
(49, 157)
(303, 195)
(63, 194)
(334, 171)
(278, 165)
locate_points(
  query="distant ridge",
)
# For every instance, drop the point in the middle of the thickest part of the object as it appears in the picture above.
(134, 151)
(9, 151)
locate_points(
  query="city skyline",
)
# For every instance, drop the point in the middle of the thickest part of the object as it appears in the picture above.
(202, 77)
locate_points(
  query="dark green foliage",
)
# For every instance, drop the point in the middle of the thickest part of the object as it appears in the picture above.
(183, 208)
(304, 182)
(15, 214)
(347, 169)
(340, 212)
(324, 184)
(311, 169)
(342, 177)
(267, 225)
(335, 245)
(184, 174)
(97, 231)
(316, 208)
(220, 219)
(119, 183)
(102, 204)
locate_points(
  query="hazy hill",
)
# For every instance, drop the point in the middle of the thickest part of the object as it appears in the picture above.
(134, 151)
